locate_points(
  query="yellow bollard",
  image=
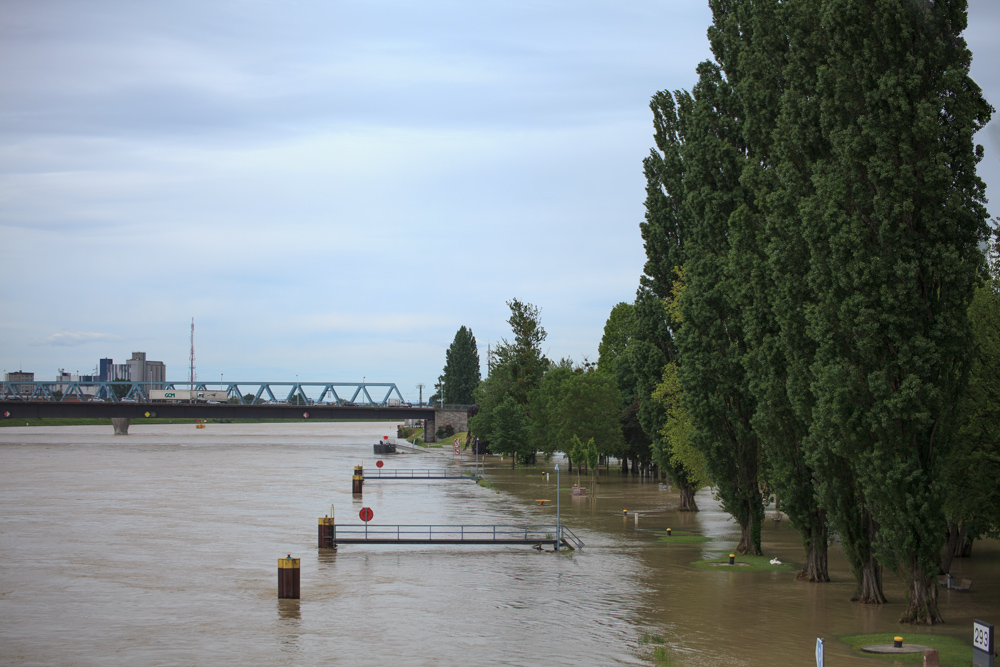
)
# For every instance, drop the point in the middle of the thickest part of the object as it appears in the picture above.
(358, 480)
(732, 559)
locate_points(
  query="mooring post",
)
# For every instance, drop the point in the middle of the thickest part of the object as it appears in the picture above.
(358, 480)
(931, 658)
(326, 533)
(558, 522)
(120, 425)
(288, 578)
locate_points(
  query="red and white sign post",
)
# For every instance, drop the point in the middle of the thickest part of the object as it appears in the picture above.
(457, 446)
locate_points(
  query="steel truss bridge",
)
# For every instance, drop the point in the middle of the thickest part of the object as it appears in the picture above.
(340, 394)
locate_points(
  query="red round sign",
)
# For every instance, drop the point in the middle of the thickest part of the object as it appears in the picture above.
(366, 514)
(379, 464)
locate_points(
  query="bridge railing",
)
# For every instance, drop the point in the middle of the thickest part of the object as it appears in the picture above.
(381, 473)
(449, 533)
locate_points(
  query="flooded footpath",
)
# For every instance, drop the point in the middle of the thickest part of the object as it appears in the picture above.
(161, 548)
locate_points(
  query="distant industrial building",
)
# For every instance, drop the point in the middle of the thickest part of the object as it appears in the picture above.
(136, 369)
(20, 376)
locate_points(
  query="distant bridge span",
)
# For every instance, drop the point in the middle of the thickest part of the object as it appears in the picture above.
(457, 416)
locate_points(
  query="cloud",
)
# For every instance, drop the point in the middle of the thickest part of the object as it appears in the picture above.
(74, 338)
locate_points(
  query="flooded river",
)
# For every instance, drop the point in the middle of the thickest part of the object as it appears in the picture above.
(161, 548)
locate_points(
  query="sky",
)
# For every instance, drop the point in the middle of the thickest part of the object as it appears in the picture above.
(331, 189)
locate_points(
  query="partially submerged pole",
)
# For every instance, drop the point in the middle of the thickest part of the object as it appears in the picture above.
(288, 578)
(358, 480)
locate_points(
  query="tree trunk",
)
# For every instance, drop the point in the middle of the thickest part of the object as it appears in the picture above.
(921, 605)
(688, 503)
(870, 586)
(953, 546)
(816, 568)
(966, 548)
(750, 537)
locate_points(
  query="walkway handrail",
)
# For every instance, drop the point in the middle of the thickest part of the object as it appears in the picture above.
(431, 532)
(416, 473)
(570, 537)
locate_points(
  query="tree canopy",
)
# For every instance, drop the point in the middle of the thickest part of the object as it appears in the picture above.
(461, 369)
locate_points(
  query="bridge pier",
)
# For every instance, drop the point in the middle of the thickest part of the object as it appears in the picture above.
(121, 425)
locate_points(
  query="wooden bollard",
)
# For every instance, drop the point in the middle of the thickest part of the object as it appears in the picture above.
(358, 480)
(326, 533)
(288, 578)
(931, 658)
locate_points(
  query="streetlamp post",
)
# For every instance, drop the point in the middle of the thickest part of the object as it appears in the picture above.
(558, 524)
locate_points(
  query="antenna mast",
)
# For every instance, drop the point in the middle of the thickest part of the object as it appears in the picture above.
(191, 376)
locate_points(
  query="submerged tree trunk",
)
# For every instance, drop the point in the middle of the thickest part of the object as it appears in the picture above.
(750, 531)
(921, 605)
(816, 568)
(953, 546)
(869, 585)
(688, 503)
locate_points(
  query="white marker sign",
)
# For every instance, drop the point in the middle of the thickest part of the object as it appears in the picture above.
(982, 633)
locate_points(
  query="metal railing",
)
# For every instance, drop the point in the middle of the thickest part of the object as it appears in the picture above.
(534, 534)
(380, 473)
(446, 534)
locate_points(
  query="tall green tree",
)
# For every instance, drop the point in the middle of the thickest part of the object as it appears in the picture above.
(461, 369)
(517, 370)
(664, 235)
(973, 499)
(711, 343)
(522, 359)
(892, 229)
(751, 42)
(614, 360)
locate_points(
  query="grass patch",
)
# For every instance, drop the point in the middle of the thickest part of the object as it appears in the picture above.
(661, 656)
(952, 652)
(681, 537)
(743, 564)
(485, 483)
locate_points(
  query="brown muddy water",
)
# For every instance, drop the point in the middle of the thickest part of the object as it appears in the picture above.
(161, 548)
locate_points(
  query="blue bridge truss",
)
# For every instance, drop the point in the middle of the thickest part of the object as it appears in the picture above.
(342, 394)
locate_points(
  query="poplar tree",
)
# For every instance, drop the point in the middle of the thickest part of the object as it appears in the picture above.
(893, 230)
(752, 44)
(663, 234)
(711, 343)
(461, 369)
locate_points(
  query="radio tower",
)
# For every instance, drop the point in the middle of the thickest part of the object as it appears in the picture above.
(191, 375)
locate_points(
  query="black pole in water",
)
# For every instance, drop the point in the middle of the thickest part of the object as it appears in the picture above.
(288, 578)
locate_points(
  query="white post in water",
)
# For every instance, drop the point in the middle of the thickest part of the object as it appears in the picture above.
(819, 652)
(558, 524)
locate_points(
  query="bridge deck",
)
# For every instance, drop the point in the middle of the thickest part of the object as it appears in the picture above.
(453, 535)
